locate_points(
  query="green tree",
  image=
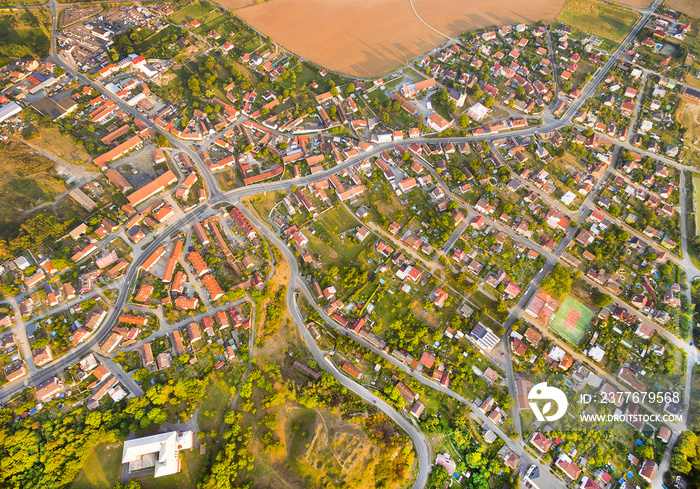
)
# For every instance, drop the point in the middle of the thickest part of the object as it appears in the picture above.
(680, 463)
(645, 451)
(601, 299)
(438, 478)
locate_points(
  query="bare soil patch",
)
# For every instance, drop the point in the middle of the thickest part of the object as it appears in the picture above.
(51, 139)
(368, 38)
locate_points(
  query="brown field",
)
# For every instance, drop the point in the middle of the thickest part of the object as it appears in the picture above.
(236, 4)
(368, 38)
(635, 3)
(454, 17)
(688, 114)
(689, 7)
(50, 139)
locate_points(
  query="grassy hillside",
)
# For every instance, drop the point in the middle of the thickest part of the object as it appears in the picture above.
(598, 18)
(24, 34)
(27, 180)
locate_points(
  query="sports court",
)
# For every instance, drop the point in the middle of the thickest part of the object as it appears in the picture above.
(572, 320)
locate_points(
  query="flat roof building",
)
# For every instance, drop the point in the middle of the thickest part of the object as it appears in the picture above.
(158, 451)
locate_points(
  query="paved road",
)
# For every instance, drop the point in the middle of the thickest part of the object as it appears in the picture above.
(550, 481)
(116, 369)
(295, 282)
(459, 231)
(417, 437)
(216, 197)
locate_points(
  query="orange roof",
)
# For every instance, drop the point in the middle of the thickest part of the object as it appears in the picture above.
(101, 372)
(183, 302)
(153, 258)
(172, 261)
(125, 318)
(176, 285)
(157, 185)
(144, 293)
(212, 286)
(198, 263)
(127, 145)
(190, 180)
(163, 213)
(177, 343)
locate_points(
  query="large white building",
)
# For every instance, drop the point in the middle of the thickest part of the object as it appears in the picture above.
(158, 451)
(478, 112)
(8, 110)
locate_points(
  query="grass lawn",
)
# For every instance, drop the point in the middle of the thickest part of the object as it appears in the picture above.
(226, 179)
(156, 39)
(482, 301)
(13, 3)
(694, 410)
(389, 307)
(340, 252)
(25, 33)
(186, 479)
(571, 320)
(338, 220)
(103, 467)
(688, 115)
(300, 429)
(604, 20)
(306, 76)
(191, 12)
(215, 400)
(213, 22)
(264, 203)
(390, 207)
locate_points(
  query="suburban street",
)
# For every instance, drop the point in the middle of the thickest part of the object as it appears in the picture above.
(298, 286)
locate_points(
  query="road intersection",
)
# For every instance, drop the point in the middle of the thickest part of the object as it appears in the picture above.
(298, 285)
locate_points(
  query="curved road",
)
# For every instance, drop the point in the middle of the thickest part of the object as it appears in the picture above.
(416, 435)
(234, 196)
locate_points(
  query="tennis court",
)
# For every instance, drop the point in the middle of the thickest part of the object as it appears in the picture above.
(572, 320)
